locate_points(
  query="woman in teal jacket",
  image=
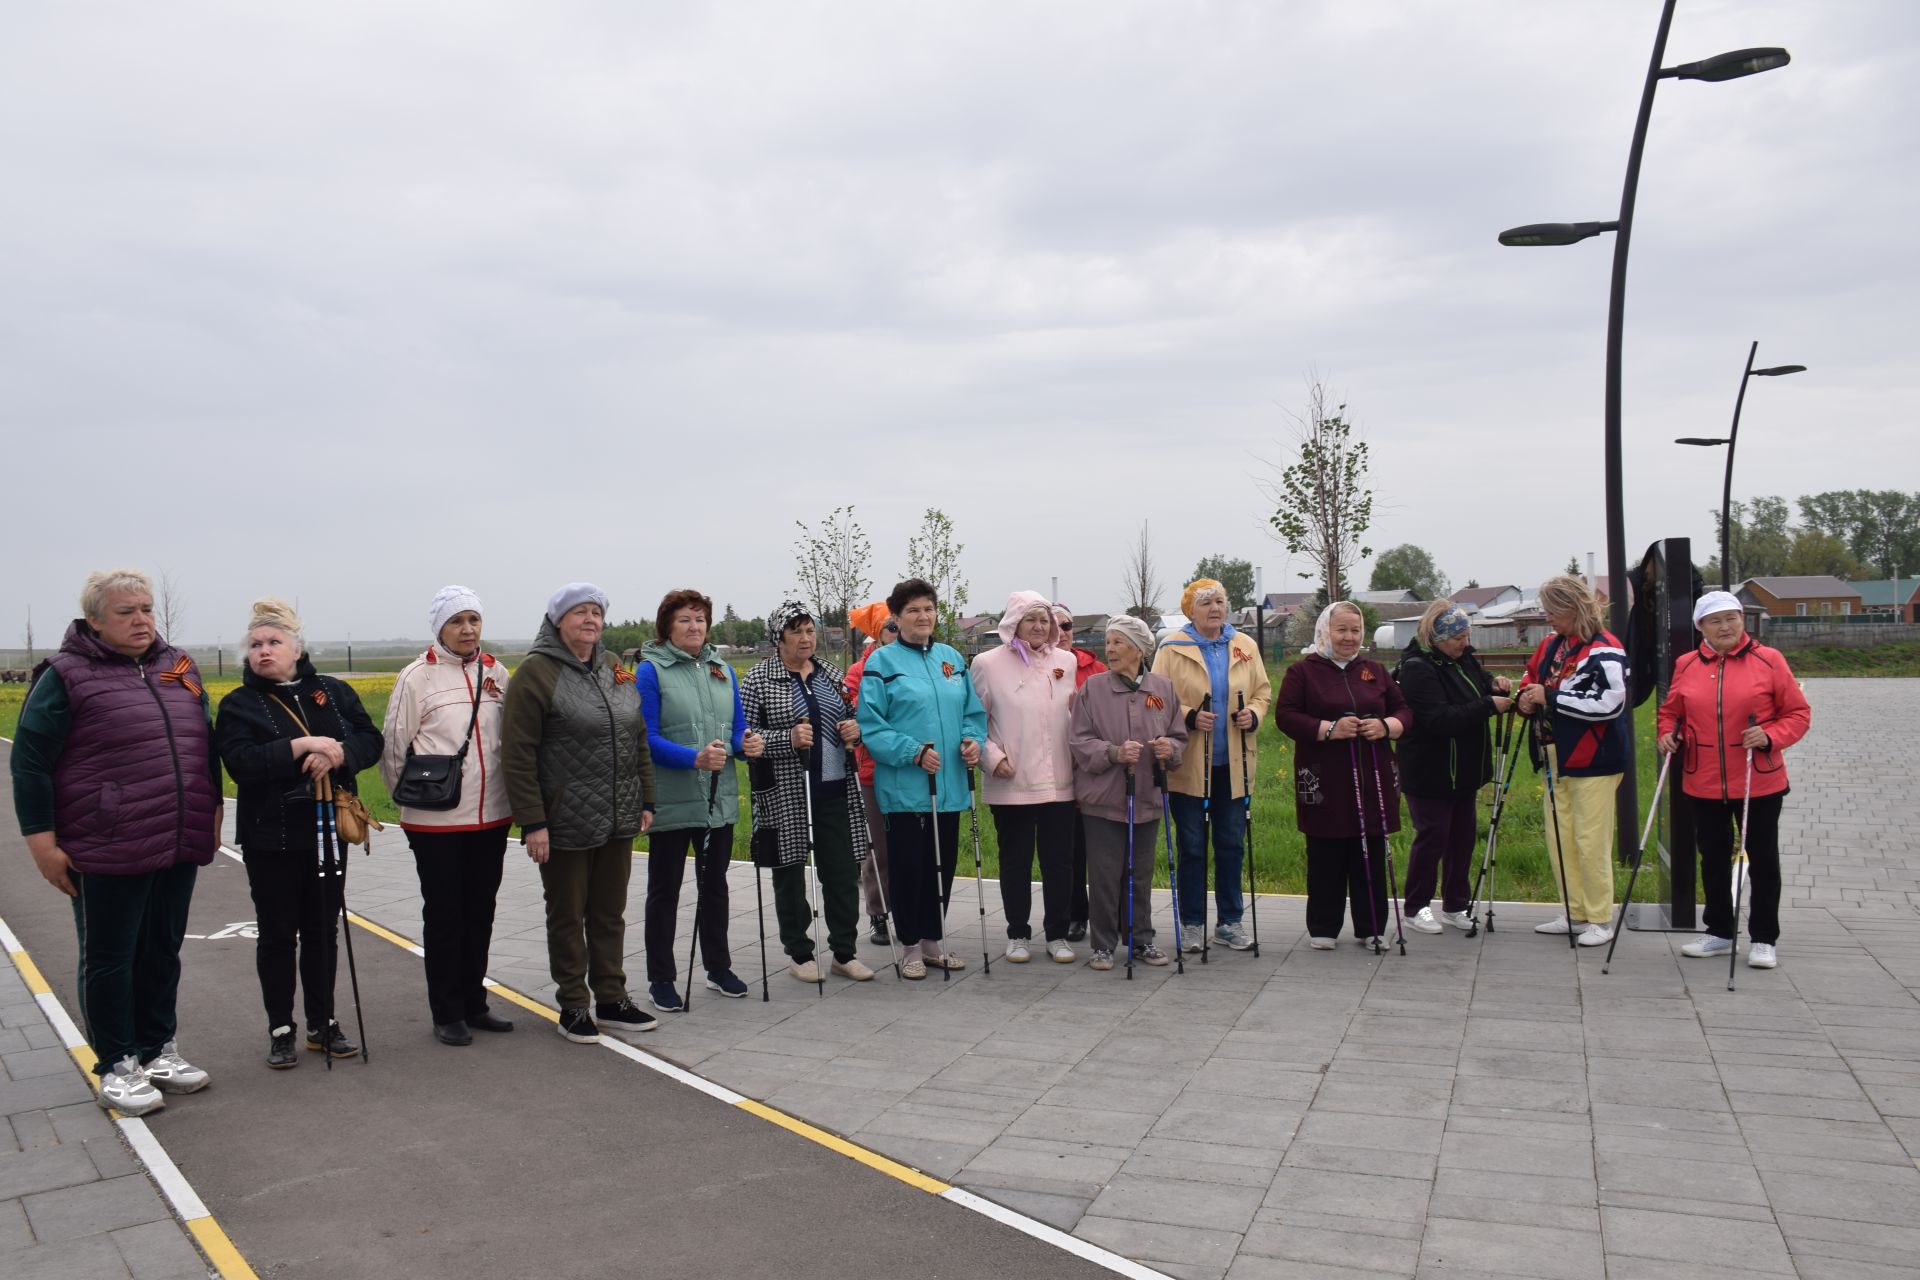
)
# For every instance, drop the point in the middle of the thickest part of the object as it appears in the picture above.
(923, 725)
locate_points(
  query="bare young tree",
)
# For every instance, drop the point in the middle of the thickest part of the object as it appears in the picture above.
(1322, 503)
(830, 564)
(932, 554)
(1140, 584)
(29, 636)
(170, 610)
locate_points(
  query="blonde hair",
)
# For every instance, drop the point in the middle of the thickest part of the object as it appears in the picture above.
(104, 583)
(271, 611)
(1424, 629)
(1568, 594)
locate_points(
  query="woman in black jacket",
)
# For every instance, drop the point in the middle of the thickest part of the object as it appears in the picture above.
(1445, 760)
(282, 730)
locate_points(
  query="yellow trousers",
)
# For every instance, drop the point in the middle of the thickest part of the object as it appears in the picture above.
(1585, 807)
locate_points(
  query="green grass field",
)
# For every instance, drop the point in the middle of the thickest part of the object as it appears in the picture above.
(1279, 849)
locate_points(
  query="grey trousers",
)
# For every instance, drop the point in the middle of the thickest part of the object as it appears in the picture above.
(1107, 878)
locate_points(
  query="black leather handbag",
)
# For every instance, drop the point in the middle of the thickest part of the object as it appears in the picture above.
(433, 782)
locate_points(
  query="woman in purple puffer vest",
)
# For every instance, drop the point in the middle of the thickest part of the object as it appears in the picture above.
(117, 790)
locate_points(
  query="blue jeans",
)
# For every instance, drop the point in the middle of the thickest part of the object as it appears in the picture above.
(1228, 818)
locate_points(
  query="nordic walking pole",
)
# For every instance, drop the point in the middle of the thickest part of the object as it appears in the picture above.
(700, 898)
(816, 902)
(1548, 756)
(1393, 890)
(1129, 873)
(1740, 866)
(1253, 883)
(880, 883)
(1490, 863)
(939, 899)
(1206, 826)
(1366, 855)
(1173, 871)
(979, 893)
(346, 935)
(323, 863)
(1653, 812)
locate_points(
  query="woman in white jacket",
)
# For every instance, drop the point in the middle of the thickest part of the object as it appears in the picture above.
(1027, 686)
(457, 851)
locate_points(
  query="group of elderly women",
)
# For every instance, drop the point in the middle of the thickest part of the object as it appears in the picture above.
(858, 781)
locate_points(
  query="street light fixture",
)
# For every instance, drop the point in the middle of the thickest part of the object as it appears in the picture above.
(1726, 489)
(1725, 66)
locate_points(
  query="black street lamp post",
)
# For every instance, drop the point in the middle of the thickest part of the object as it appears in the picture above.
(1725, 66)
(1732, 438)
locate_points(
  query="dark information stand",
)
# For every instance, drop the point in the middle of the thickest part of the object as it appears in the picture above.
(1673, 594)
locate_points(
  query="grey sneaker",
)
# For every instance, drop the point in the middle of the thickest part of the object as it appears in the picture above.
(1018, 950)
(1233, 936)
(1707, 945)
(1458, 919)
(126, 1089)
(1190, 937)
(1423, 921)
(171, 1073)
(1101, 960)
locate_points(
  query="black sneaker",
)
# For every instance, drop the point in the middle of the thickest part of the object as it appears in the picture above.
(577, 1026)
(879, 934)
(624, 1016)
(280, 1051)
(333, 1041)
(724, 981)
(1076, 930)
(662, 996)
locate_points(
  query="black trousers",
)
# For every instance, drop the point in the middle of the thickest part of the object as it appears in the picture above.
(666, 866)
(1023, 829)
(1079, 908)
(912, 876)
(296, 912)
(1714, 823)
(459, 881)
(130, 929)
(1337, 876)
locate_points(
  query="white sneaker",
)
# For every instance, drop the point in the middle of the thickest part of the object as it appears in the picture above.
(1061, 952)
(1557, 925)
(1760, 955)
(126, 1089)
(171, 1073)
(1707, 945)
(1422, 921)
(1458, 919)
(1017, 951)
(1375, 942)
(1322, 944)
(1596, 935)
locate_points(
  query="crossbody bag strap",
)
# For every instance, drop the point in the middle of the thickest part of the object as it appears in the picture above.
(297, 718)
(479, 687)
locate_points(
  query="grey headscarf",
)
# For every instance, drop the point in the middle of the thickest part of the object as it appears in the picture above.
(1135, 632)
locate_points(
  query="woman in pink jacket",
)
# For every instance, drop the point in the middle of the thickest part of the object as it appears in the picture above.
(1729, 698)
(1026, 686)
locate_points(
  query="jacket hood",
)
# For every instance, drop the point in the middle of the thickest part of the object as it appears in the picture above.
(547, 641)
(1017, 605)
(82, 641)
(302, 670)
(662, 654)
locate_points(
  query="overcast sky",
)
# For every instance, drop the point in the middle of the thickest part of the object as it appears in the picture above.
(345, 302)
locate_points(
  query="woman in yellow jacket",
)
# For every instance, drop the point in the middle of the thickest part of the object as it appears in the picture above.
(1224, 695)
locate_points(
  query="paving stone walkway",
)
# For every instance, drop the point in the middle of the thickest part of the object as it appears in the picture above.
(1492, 1106)
(74, 1202)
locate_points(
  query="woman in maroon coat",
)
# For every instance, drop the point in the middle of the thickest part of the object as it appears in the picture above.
(1343, 711)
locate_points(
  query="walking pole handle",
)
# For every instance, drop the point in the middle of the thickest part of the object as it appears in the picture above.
(931, 780)
(1159, 773)
(1129, 782)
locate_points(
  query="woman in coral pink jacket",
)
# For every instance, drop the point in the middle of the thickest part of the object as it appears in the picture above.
(1729, 696)
(1025, 686)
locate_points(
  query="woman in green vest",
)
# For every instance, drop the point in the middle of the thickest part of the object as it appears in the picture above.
(695, 727)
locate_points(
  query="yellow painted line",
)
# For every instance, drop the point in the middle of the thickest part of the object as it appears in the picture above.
(31, 972)
(380, 931)
(220, 1250)
(832, 1142)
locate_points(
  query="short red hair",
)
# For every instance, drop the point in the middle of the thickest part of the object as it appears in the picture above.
(682, 598)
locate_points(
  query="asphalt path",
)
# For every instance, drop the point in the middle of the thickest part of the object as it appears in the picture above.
(522, 1155)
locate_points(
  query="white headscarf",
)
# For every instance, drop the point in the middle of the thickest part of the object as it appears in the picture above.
(1323, 634)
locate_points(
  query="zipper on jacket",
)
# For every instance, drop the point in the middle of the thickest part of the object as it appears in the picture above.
(1720, 724)
(482, 753)
(173, 753)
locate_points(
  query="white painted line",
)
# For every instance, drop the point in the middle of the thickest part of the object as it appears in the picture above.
(70, 1035)
(1053, 1235)
(172, 1182)
(665, 1068)
(8, 942)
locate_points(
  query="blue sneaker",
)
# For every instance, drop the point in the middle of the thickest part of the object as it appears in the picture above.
(723, 981)
(662, 996)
